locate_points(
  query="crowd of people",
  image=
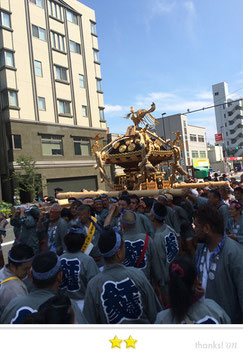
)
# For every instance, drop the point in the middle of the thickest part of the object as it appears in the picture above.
(161, 259)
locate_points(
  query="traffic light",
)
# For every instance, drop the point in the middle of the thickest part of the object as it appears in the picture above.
(237, 148)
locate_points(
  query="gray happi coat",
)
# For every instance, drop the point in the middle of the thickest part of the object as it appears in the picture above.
(78, 269)
(144, 225)
(237, 230)
(134, 244)
(166, 248)
(120, 294)
(20, 307)
(225, 277)
(172, 219)
(28, 234)
(201, 312)
(10, 289)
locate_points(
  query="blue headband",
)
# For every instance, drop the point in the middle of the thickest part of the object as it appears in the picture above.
(75, 230)
(113, 251)
(49, 274)
(165, 197)
(128, 224)
(159, 218)
(113, 199)
(20, 261)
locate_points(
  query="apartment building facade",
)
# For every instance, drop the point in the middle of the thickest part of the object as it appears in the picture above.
(193, 138)
(51, 92)
(229, 120)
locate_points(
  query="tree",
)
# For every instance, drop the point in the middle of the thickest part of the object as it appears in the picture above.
(27, 179)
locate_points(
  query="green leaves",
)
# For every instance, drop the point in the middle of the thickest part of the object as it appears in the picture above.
(26, 177)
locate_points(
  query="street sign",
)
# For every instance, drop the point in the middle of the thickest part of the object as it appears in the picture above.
(218, 138)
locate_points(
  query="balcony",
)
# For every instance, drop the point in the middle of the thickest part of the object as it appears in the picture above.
(237, 114)
(231, 107)
(236, 133)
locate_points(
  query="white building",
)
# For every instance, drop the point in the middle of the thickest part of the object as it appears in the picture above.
(193, 138)
(229, 120)
(50, 92)
(216, 159)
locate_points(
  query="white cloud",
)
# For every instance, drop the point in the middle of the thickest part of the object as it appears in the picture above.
(171, 103)
(113, 108)
(156, 8)
(160, 7)
(205, 95)
(190, 7)
(190, 19)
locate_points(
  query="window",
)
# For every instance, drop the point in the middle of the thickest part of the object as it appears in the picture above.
(184, 123)
(193, 137)
(41, 103)
(216, 94)
(57, 41)
(55, 10)
(9, 98)
(202, 154)
(194, 153)
(51, 145)
(225, 124)
(81, 146)
(38, 68)
(96, 55)
(64, 107)
(200, 138)
(84, 111)
(37, 2)
(102, 114)
(61, 73)
(71, 17)
(5, 20)
(17, 144)
(39, 32)
(81, 80)
(6, 59)
(74, 47)
(93, 28)
(98, 84)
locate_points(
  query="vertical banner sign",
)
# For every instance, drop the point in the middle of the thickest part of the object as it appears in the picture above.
(218, 138)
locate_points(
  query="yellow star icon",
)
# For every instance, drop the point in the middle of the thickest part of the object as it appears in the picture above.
(130, 342)
(116, 343)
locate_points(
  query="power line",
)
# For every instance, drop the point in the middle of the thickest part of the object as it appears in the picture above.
(217, 100)
(212, 106)
(203, 108)
(209, 107)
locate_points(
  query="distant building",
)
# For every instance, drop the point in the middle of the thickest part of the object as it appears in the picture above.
(51, 92)
(216, 159)
(194, 139)
(229, 120)
(223, 164)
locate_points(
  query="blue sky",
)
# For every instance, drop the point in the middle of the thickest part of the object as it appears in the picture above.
(170, 52)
